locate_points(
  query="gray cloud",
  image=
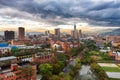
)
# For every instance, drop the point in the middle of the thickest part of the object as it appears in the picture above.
(104, 13)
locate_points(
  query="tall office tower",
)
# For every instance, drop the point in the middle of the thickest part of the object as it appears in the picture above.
(74, 27)
(57, 32)
(47, 33)
(9, 35)
(75, 32)
(72, 33)
(21, 33)
(80, 33)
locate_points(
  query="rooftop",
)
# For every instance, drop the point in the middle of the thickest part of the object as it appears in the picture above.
(4, 44)
(6, 69)
(7, 58)
(43, 54)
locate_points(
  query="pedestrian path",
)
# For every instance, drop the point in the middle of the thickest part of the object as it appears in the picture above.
(113, 74)
(87, 74)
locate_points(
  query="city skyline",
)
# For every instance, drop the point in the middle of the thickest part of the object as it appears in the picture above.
(59, 40)
(41, 15)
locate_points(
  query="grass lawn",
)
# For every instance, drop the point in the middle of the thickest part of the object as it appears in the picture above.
(113, 79)
(104, 61)
(111, 69)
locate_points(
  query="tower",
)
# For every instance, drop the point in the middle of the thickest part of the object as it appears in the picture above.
(80, 33)
(9, 35)
(74, 27)
(75, 32)
(47, 33)
(57, 32)
(21, 33)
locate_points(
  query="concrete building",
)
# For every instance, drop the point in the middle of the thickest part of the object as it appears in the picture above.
(20, 42)
(4, 48)
(11, 59)
(115, 55)
(47, 33)
(21, 33)
(43, 58)
(75, 33)
(113, 38)
(19, 72)
(80, 33)
(9, 35)
(57, 32)
(72, 33)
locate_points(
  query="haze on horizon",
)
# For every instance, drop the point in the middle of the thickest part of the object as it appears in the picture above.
(40, 15)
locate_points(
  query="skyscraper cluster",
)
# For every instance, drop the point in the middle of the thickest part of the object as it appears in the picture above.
(10, 35)
(47, 33)
(76, 34)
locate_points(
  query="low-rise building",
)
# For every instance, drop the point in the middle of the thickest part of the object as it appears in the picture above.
(43, 57)
(4, 48)
(115, 55)
(24, 71)
(20, 42)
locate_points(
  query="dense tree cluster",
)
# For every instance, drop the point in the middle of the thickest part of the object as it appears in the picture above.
(55, 71)
(100, 72)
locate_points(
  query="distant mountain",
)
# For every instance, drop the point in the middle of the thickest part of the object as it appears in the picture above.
(115, 32)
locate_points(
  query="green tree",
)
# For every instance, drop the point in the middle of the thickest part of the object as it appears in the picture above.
(109, 44)
(46, 70)
(58, 67)
(91, 44)
(55, 77)
(77, 63)
(100, 72)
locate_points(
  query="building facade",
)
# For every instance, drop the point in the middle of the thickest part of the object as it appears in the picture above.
(19, 72)
(21, 33)
(4, 48)
(57, 32)
(9, 35)
(43, 58)
(75, 33)
(115, 55)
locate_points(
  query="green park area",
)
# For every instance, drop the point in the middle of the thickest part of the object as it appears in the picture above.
(111, 69)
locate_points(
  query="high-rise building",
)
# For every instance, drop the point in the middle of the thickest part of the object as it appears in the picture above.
(72, 33)
(47, 33)
(76, 34)
(21, 33)
(57, 32)
(75, 27)
(80, 33)
(9, 35)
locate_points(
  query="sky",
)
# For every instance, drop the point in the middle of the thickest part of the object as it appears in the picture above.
(40, 15)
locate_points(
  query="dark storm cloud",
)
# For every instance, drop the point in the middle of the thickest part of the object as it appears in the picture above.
(104, 13)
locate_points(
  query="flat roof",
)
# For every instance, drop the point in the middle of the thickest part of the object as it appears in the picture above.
(4, 44)
(7, 58)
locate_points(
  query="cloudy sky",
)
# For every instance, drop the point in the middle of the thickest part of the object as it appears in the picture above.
(40, 15)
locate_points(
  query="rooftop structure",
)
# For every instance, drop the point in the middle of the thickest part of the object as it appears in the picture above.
(43, 57)
(13, 72)
(4, 45)
(7, 58)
